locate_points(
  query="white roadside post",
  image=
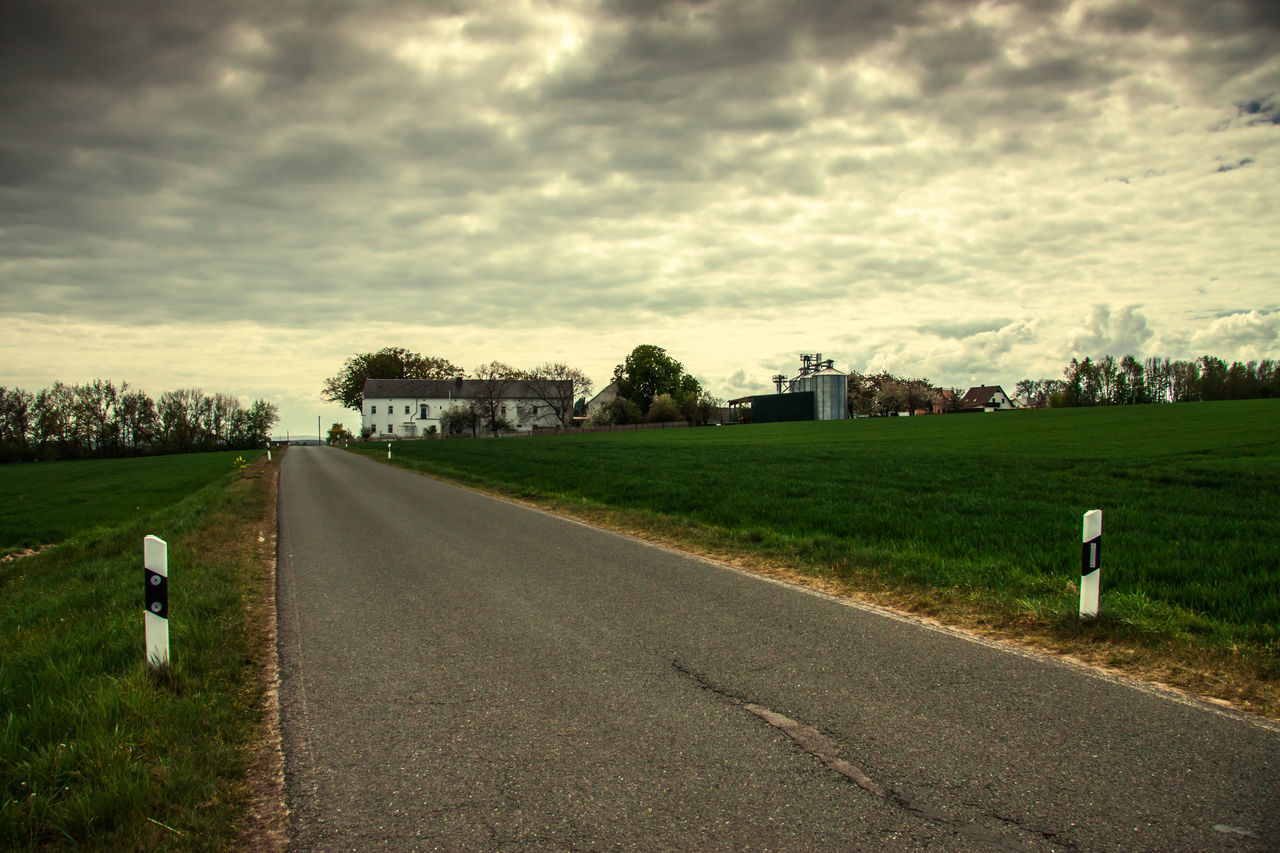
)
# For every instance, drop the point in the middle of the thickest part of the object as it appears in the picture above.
(1090, 563)
(388, 451)
(268, 451)
(155, 559)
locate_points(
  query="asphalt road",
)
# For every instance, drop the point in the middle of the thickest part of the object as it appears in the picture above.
(461, 673)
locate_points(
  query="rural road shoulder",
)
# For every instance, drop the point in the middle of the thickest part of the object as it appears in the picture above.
(459, 672)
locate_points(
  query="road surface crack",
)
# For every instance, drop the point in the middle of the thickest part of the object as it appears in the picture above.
(827, 751)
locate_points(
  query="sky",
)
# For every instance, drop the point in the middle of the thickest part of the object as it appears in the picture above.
(239, 196)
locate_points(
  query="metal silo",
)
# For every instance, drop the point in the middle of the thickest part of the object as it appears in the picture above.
(829, 387)
(830, 393)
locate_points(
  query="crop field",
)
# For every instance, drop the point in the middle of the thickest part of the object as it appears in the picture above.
(46, 502)
(96, 750)
(984, 506)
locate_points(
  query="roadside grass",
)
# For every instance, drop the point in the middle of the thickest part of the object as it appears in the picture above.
(970, 519)
(47, 502)
(97, 750)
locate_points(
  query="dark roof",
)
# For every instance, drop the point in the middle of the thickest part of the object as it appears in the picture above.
(980, 396)
(464, 389)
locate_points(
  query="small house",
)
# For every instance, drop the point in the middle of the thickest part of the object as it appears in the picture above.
(985, 398)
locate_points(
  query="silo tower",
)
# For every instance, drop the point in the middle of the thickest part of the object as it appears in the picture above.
(829, 387)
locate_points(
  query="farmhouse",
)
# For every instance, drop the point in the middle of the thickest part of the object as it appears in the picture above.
(986, 398)
(407, 408)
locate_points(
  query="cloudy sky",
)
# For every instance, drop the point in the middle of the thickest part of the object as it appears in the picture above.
(238, 196)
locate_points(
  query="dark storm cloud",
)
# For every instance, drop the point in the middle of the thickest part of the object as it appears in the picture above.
(1231, 167)
(946, 57)
(1260, 110)
(107, 50)
(1125, 18)
(733, 35)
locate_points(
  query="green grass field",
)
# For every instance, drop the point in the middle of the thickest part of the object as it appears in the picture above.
(47, 502)
(96, 751)
(987, 505)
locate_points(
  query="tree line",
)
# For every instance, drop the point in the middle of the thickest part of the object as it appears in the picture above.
(1109, 381)
(653, 387)
(882, 393)
(99, 419)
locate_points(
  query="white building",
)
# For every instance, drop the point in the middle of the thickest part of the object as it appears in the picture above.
(408, 408)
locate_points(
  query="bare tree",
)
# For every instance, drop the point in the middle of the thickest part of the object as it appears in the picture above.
(558, 385)
(492, 380)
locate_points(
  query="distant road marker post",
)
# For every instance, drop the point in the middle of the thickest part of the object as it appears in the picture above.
(155, 561)
(1090, 563)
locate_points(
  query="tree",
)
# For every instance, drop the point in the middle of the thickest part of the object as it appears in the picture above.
(138, 421)
(1185, 381)
(1242, 381)
(1081, 383)
(648, 372)
(457, 419)
(178, 411)
(892, 396)
(1268, 379)
(1158, 378)
(51, 421)
(261, 418)
(1213, 378)
(347, 387)
(558, 385)
(619, 410)
(862, 395)
(493, 380)
(918, 394)
(664, 409)
(706, 410)
(1132, 381)
(15, 422)
(1105, 371)
(1025, 392)
(339, 433)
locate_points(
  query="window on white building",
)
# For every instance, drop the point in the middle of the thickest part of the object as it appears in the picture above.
(423, 410)
(391, 428)
(406, 410)
(373, 410)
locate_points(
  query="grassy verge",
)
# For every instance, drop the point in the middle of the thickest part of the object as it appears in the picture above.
(974, 520)
(98, 750)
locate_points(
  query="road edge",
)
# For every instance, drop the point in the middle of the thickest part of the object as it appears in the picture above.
(267, 815)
